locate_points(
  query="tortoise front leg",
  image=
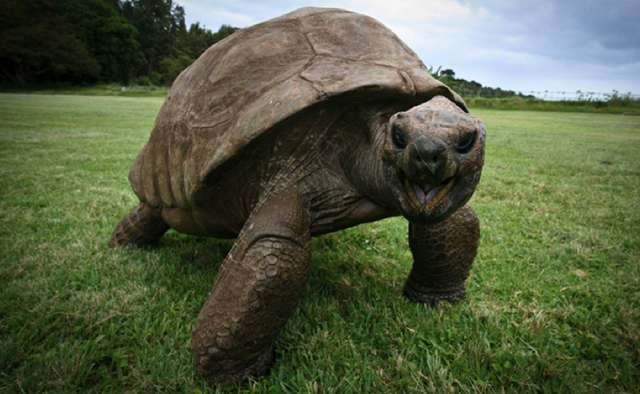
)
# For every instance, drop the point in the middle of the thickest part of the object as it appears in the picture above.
(258, 287)
(442, 256)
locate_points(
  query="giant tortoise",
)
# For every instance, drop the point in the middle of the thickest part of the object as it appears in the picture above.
(308, 123)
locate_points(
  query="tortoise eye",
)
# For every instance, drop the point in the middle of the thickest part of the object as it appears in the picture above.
(398, 137)
(465, 143)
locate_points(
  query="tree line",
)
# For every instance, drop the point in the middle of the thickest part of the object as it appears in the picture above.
(471, 88)
(142, 42)
(89, 41)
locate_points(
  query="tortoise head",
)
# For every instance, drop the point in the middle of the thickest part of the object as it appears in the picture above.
(433, 155)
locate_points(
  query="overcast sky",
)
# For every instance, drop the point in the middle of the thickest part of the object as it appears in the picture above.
(512, 44)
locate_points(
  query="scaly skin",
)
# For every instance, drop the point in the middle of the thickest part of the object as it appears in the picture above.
(258, 287)
(325, 169)
(442, 257)
(142, 227)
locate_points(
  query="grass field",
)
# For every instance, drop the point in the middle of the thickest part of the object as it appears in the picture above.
(617, 105)
(94, 90)
(553, 300)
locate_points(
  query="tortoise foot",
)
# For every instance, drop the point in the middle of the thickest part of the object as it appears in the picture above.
(424, 295)
(141, 227)
(442, 257)
(235, 371)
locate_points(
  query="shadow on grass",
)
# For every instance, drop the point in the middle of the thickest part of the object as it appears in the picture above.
(331, 278)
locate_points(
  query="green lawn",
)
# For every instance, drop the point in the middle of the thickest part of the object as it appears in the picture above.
(553, 300)
(616, 105)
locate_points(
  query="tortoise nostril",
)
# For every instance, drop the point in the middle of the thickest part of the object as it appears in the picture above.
(466, 142)
(430, 158)
(429, 150)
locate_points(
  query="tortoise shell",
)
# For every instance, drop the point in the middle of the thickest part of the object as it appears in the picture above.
(242, 86)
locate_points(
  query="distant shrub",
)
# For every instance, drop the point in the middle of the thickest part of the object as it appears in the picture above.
(616, 104)
(142, 80)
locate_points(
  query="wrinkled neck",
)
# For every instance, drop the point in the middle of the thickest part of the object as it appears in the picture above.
(366, 166)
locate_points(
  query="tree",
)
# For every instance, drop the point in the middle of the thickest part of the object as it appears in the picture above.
(470, 88)
(448, 73)
(38, 44)
(79, 41)
(189, 46)
(154, 22)
(111, 39)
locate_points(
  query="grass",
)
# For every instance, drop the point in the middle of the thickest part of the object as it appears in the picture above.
(107, 89)
(617, 105)
(553, 300)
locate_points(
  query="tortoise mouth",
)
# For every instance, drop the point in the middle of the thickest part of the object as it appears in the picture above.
(423, 199)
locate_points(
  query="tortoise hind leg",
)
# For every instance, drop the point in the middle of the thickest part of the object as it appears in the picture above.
(141, 227)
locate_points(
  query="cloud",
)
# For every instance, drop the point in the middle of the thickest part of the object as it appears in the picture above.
(414, 10)
(213, 16)
(521, 45)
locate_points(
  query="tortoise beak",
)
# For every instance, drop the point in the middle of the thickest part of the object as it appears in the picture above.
(427, 170)
(425, 198)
